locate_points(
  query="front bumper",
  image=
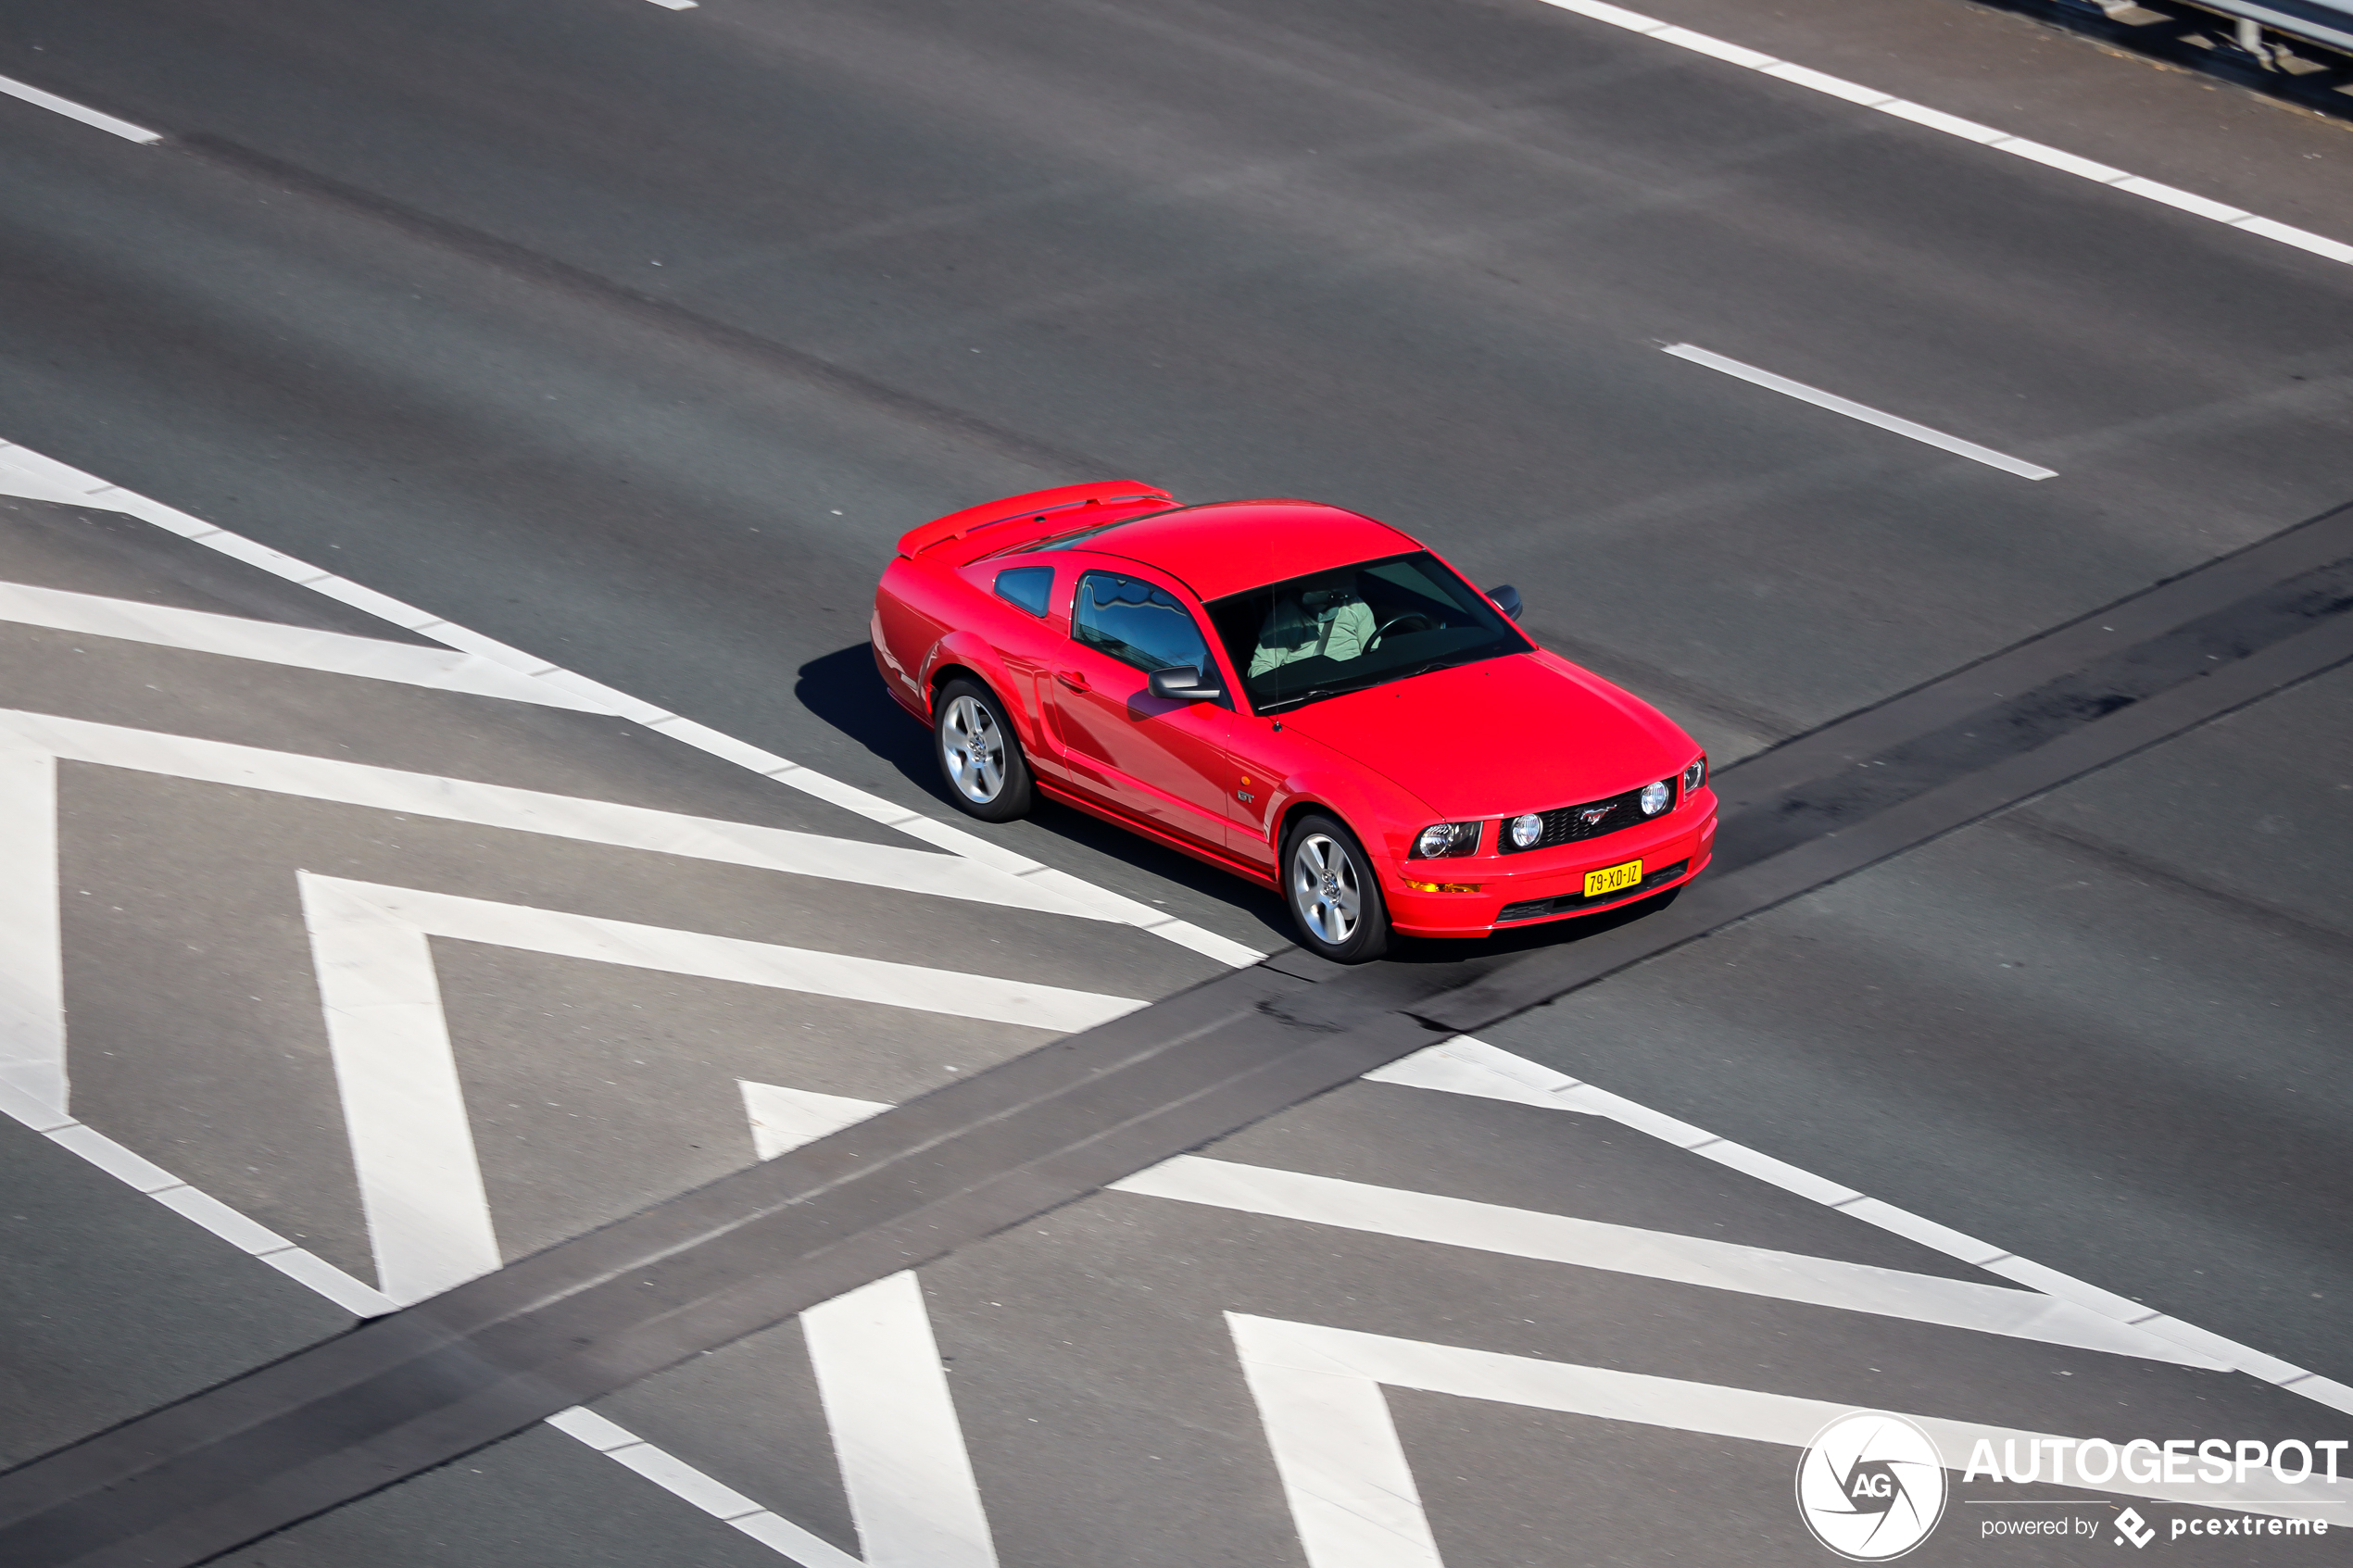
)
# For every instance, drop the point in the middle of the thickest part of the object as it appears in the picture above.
(1548, 885)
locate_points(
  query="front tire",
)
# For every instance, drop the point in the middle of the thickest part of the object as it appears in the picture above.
(1334, 897)
(979, 756)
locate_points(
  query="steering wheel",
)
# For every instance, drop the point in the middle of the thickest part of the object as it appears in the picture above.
(1394, 621)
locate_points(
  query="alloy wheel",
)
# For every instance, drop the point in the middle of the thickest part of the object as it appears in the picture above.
(975, 749)
(1324, 887)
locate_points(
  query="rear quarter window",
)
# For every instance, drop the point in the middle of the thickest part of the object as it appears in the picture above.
(1031, 587)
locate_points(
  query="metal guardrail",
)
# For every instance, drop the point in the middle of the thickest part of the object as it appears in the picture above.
(2296, 50)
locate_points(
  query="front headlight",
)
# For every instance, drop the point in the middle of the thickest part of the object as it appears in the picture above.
(1527, 829)
(1656, 797)
(1441, 839)
(1696, 775)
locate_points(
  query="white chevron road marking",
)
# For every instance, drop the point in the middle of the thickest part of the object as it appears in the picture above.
(36, 477)
(268, 642)
(1351, 1488)
(784, 1118)
(421, 1183)
(1465, 1066)
(32, 1034)
(896, 1435)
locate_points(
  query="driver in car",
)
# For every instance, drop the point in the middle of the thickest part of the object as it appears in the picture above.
(1334, 623)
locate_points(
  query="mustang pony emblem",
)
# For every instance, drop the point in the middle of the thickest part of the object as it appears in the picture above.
(1593, 814)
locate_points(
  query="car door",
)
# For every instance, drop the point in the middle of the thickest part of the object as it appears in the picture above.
(1021, 627)
(1162, 760)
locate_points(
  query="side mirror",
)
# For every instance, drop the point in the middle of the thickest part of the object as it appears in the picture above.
(1185, 684)
(1506, 599)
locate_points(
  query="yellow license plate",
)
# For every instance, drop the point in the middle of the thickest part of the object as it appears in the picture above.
(1613, 879)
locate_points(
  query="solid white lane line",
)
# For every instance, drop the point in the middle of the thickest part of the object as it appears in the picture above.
(784, 1118)
(266, 642)
(1467, 1066)
(1351, 1486)
(678, 5)
(30, 474)
(72, 110)
(1954, 125)
(896, 1435)
(534, 812)
(1855, 410)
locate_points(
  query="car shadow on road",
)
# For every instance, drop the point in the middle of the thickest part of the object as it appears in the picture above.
(843, 689)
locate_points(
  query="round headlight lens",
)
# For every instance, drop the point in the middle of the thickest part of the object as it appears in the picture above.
(1656, 797)
(1527, 829)
(1696, 775)
(1435, 840)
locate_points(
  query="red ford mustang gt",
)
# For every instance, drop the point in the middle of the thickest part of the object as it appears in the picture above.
(1292, 691)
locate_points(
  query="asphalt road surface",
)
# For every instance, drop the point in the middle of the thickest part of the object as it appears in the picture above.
(631, 337)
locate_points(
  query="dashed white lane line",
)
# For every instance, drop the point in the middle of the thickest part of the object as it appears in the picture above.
(30, 474)
(715, 1497)
(1954, 125)
(1863, 412)
(268, 642)
(191, 1203)
(72, 110)
(1465, 1066)
(307, 1268)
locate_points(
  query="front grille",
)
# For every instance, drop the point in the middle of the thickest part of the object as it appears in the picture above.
(1567, 824)
(1569, 903)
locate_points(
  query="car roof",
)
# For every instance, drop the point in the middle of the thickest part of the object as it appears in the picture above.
(1226, 547)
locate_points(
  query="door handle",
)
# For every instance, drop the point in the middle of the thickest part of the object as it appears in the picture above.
(1075, 679)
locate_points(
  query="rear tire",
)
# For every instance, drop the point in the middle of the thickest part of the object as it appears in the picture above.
(1334, 898)
(980, 759)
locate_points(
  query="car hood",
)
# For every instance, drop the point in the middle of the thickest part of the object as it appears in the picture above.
(1525, 733)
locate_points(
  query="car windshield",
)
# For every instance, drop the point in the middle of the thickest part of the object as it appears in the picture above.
(1357, 626)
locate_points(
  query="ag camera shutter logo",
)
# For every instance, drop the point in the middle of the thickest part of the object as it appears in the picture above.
(1871, 1486)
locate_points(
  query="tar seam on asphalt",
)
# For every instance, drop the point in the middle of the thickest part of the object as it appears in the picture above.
(423, 1386)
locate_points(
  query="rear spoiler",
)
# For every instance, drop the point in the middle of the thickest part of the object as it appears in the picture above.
(1117, 493)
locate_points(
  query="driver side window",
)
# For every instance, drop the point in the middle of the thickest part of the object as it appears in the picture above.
(1136, 623)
